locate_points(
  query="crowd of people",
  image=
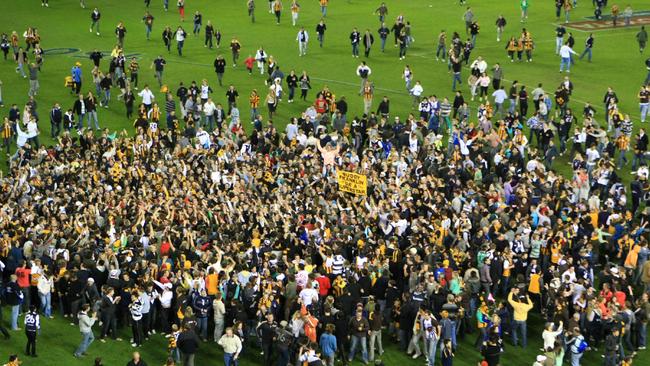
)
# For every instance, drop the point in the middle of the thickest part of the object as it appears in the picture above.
(203, 231)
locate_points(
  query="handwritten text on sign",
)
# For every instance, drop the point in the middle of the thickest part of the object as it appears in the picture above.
(352, 183)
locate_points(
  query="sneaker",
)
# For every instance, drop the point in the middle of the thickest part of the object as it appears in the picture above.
(133, 344)
(91, 30)
(153, 331)
(118, 339)
(641, 348)
(103, 340)
(97, 33)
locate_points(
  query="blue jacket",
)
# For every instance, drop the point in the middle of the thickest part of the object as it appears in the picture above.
(76, 74)
(328, 344)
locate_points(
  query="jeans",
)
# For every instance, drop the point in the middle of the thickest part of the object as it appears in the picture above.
(202, 323)
(642, 329)
(353, 347)
(159, 75)
(46, 304)
(643, 107)
(442, 51)
(179, 45)
(147, 30)
(587, 52)
(197, 28)
(94, 25)
(565, 62)
(106, 97)
(210, 121)
(86, 340)
(323, 11)
(15, 310)
(229, 359)
(519, 326)
(454, 80)
(383, 43)
(375, 337)
(92, 116)
(321, 39)
(558, 44)
(432, 345)
(218, 329)
(575, 359)
(355, 49)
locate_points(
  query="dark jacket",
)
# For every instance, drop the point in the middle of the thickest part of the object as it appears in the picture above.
(188, 342)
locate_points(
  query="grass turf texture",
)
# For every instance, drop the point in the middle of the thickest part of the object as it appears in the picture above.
(64, 24)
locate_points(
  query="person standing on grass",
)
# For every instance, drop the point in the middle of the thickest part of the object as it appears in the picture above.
(159, 67)
(21, 60)
(521, 306)
(368, 40)
(403, 44)
(363, 71)
(589, 44)
(641, 38)
(320, 32)
(367, 93)
(235, 47)
(95, 16)
(383, 35)
(644, 99)
(108, 312)
(135, 308)
(209, 33)
(295, 10)
(180, 39)
(560, 31)
(468, 17)
(416, 92)
(303, 38)
(250, 5)
(86, 323)
(355, 39)
(232, 346)
(565, 57)
(56, 117)
(220, 68)
(32, 328)
(120, 33)
(524, 10)
(181, 9)
(501, 24)
(197, 20)
(33, 80)
(147, 19)
(13, 297)
(277, 10)
(188, 343)
(292, 84)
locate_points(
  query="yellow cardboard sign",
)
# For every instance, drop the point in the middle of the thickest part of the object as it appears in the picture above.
(352, 183)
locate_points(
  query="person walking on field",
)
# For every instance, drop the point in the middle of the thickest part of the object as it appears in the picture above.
(368, 40)
(642, 38)
(320, 32)
(355, 39)
(302, 38)
(32, 328)
(589, 44)
(94, 17)
(565, 56)
(86, 323)
(250, 5)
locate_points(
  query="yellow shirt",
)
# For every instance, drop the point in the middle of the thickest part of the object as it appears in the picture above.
(521, 309)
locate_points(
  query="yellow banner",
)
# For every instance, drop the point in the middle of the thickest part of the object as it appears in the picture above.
(352, 183)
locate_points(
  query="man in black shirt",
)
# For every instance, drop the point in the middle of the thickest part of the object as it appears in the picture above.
(209, 33)
(159, 66)
(219, 65)
(232, 94)
(589, 44)
(292, 83)
(56, 117)
(96, 56)
(560, 31)
(320, 32)
(266, 331)
(355, 38)
(383, 35)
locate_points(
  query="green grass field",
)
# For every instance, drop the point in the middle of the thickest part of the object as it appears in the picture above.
(64, 24)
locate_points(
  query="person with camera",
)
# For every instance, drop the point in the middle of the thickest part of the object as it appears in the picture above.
(521, 306)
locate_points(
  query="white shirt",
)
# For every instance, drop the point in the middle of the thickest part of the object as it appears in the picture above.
(417, 90)
(299, 37)
(362, 67)
(566, 51)
(499, 96)
(147, 96)
(180, 35)
(307, 296)
(209, 107)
